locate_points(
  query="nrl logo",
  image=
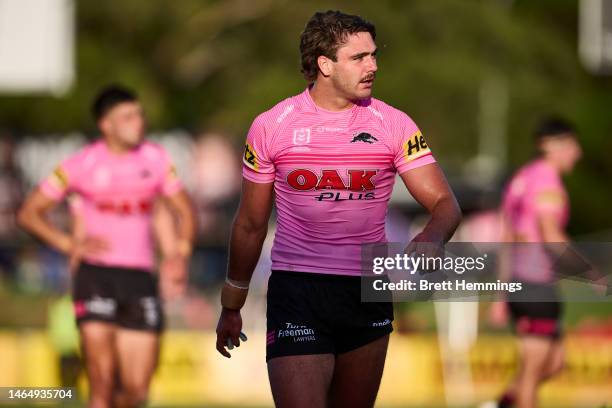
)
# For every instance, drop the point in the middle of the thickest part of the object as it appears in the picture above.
(364, 137)
(301, 136)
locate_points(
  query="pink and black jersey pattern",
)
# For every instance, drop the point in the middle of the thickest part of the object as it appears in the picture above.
(333, 174)
(116, 197)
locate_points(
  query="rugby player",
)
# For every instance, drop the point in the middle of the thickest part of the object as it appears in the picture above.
(535, 209)
(328, 159)
(115, 294)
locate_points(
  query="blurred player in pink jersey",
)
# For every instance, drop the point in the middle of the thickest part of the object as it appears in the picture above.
(118, 179)
(327, 158)
(535, 209)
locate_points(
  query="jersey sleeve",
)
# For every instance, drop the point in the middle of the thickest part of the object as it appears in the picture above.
(62, 180)
(547, 193)
(257, 165)
(170, 182)
(411, 150)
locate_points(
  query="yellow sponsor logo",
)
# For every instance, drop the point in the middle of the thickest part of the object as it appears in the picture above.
(59, 179)
(250, 157)
(415, 147)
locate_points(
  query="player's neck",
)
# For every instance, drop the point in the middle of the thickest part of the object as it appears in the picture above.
(325, 97)
(116, 147)
(553, 164)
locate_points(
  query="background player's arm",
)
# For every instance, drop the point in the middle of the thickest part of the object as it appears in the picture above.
(173, 270)
(550, 229)
(182, 207)
(549, 202)
(569, 260)
(429, 187)
(32, 217)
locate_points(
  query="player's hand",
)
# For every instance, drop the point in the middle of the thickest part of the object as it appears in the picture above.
(228, 331)
(86, 247)
(173, 277)
(429, 245)
(498, 314)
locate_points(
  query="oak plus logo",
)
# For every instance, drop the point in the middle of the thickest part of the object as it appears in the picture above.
(301, 136)
(358, 184)
(125, 207)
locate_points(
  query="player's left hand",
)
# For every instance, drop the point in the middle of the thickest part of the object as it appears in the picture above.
(427, 244)
(84, 247)
(229, 331)
(173, 276)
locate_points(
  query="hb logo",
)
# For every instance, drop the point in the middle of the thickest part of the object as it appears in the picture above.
(415, 146)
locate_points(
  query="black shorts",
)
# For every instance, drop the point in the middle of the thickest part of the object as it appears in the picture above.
(311, 313)
(533, 317)
(122, 296)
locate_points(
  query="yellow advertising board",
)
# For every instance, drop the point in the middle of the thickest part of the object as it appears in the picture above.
(191, 372)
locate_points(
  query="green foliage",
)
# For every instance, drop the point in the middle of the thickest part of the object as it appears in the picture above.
(200, 64)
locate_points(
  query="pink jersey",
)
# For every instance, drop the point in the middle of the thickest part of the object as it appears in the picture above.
(536, 188)
(117, 194)
(333, 175)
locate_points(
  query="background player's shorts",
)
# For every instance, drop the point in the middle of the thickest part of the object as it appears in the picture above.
(122, 296)
(312, 313)
(536, 318)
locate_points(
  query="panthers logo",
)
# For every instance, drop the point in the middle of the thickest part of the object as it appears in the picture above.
(364, 137)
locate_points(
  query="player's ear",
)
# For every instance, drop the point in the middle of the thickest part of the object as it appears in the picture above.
(103, 124)
(543, 147)
(325, 65)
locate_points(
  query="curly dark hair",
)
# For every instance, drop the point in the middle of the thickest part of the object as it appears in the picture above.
(324, 33)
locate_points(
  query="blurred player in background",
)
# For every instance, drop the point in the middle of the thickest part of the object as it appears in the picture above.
(535, 209)
(118, 179)
(329, 156)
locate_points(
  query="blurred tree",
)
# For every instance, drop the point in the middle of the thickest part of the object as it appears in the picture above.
(219, 63)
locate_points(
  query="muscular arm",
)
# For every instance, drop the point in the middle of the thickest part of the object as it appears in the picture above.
(249, 229)
(32, 217)
(429, 187)
(248, 234)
